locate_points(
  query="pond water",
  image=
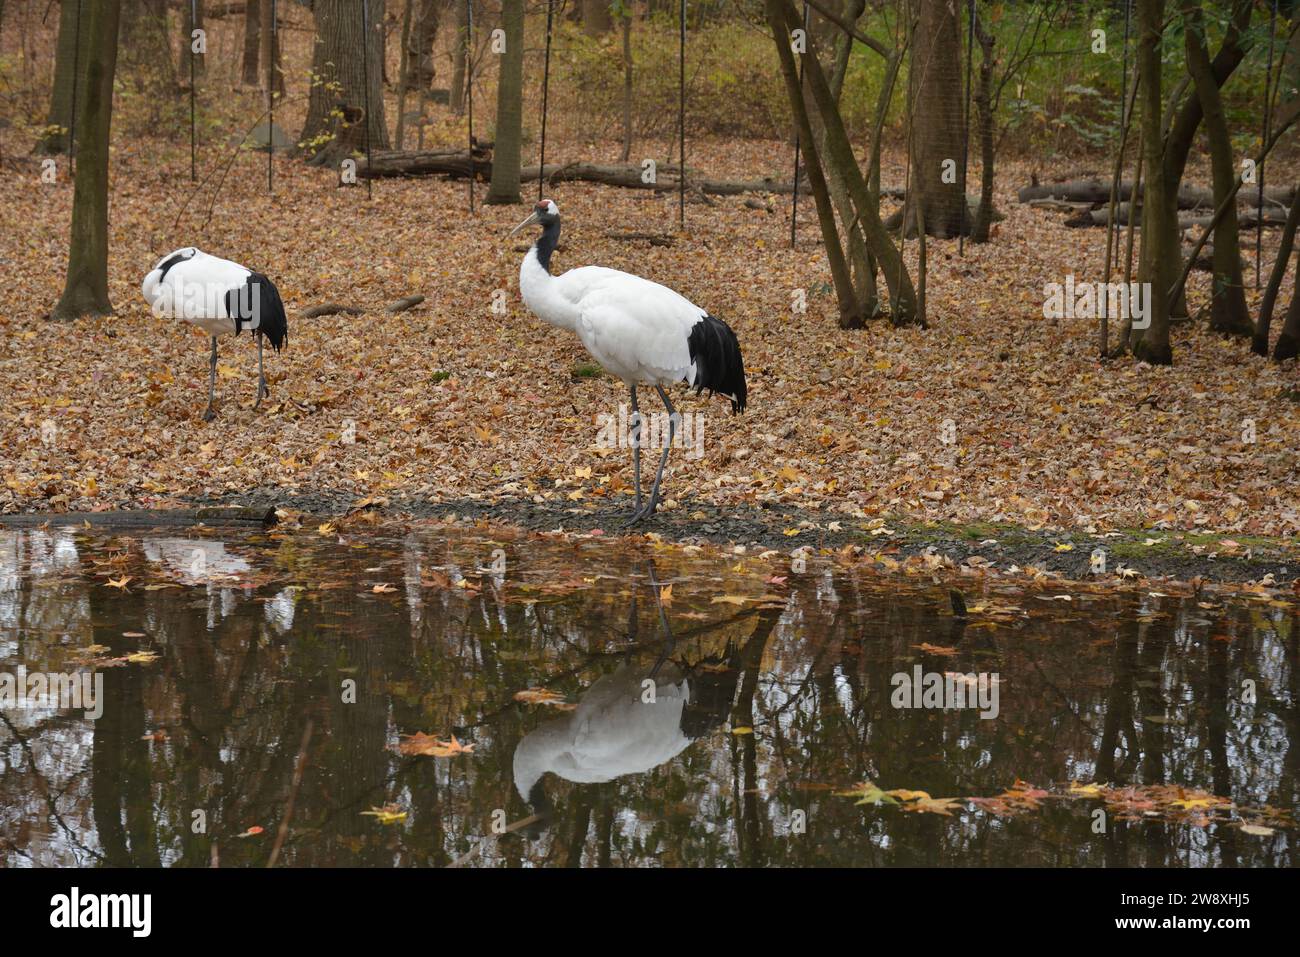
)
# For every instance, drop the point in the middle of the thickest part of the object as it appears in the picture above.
(430, 695)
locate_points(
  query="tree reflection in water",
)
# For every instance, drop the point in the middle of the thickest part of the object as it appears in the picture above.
(767, 702)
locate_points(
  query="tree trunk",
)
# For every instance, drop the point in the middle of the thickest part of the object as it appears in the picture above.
(936, 83)
(86, 289)
(404, 74)
(984, 110)
(419, 45)
(626, 153)
(839, 154)
(1288, 343)
(190, 23)
(509, 125)
(1183, 126)
(863, 214)
(1259, 344)
(268, 38)
(861, 264)
(852, 314)
(146, 42)
(69, 69)
(1159, 223)
(252, 41)
(596, 19)
(337, 117)
(1228, 312)
(460, 59)
(266, 48)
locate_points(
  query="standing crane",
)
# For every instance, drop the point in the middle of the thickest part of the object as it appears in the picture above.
(639, 331)
(220, 297)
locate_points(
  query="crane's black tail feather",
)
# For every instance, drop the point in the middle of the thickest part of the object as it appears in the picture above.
(257, 304)
(713, 683)
(718, 364)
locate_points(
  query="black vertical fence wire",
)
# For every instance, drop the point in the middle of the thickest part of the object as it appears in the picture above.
(1268, 129)
(72, 116)
(546, 82)
(794, 196)
(1123, 125)
(966, 219)
(365, 79)
(469, 92)
(270, 98)
(681, 119)
(194, 23)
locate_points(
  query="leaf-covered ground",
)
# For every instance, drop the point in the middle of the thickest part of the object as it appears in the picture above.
(453, 400)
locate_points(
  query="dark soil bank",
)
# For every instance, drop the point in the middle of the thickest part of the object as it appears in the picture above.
(1171, 554)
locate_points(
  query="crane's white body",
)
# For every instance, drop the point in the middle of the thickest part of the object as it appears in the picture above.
(194, 289)
(221, 298)
(636, 329)
(612, 732)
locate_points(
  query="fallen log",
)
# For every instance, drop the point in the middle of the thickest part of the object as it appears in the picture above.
(219, 11)
(330, 309)
(409, 302)
(654, 239)
(457, 164)
(1097, 191)
(1247, 219)
(148, 518)
(667, 178)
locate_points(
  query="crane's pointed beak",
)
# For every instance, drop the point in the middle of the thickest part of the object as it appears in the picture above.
(532, 218)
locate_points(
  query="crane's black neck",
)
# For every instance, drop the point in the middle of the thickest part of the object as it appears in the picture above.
(547, 242)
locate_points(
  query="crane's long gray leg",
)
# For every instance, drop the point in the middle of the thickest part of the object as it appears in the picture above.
(636, 449)
(651, 505)
(208, 414)
(261, 377)
(669, 641)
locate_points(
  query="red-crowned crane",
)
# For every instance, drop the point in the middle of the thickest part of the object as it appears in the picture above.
(616, 730)
(639, 331)
(220, 297)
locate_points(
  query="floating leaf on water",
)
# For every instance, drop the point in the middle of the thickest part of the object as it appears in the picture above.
(388, 814)
(868, 793)
(428, 745)
(540, 696)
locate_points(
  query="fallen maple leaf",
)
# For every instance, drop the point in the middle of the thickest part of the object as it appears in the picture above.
(868, 793)
(540, 696)
(428, 745)
(936, 649)
(929, 805)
